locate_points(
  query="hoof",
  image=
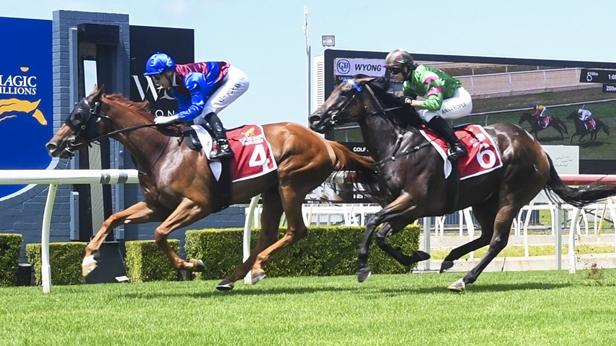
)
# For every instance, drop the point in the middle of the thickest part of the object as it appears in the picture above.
(88, 265)
(419, 256)
(198, 265)
(445, 265)
(225, 286)
(457, 286)
(258, 276)
(363, 274)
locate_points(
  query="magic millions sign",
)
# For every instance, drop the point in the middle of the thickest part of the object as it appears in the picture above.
(26, 99)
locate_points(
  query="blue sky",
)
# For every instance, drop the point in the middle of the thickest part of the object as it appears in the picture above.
(265, 38)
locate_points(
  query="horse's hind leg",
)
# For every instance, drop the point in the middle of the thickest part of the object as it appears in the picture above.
(402, 208)
(292, 198)
(502, 228)
(270, 221)
(485, 215)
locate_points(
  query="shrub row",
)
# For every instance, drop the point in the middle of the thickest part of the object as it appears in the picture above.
(10, 247)
(146, 262)
(324, 251)
(64, 258)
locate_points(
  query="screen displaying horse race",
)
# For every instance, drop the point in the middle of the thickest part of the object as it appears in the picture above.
(569, 105)
(559, 102)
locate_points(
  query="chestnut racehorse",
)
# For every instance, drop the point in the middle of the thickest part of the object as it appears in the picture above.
(412, 173)
(178, 185)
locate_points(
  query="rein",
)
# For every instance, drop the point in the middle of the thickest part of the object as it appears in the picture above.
(94, 113)
(126, 129)
(395, 154)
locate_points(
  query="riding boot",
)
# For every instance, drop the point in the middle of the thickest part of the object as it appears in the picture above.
(456, 148)
(222, 144)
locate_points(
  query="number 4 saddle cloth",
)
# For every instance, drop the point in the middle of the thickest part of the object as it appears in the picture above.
(252, 153)
(483, 155)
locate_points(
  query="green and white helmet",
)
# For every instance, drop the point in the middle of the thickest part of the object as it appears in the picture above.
(398, 58)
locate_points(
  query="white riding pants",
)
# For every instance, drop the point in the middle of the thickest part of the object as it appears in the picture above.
(455, 107)
(235, 84)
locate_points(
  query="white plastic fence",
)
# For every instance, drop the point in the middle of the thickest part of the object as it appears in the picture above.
(347, 213)
(115, 176)
(61, 177)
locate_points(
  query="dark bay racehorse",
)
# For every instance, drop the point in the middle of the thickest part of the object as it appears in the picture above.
(582, 131)
(179, 187)
(536, 127)
(412, 172)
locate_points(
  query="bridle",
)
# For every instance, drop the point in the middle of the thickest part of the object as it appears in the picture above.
(380, 111)
(85, 126)
(358, 90)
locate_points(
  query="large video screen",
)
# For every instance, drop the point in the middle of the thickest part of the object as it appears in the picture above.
(507, 90)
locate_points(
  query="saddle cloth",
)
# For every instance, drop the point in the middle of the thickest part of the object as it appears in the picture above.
(544, 122)
(590, 124)
(252, 153)
(483, 156)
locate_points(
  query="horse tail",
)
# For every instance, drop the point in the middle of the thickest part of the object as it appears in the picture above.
(364, 166)
(580, 196)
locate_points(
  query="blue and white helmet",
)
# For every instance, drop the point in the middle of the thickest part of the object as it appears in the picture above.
(158, 63)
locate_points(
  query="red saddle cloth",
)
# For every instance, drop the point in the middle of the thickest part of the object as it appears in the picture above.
(252, 153)
(591, 124)
(545, 121)
(483, 156)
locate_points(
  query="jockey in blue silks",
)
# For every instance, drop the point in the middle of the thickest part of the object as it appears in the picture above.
(202, 90)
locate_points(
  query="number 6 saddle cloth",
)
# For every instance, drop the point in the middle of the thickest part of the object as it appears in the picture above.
(483, 155)
(252, 153)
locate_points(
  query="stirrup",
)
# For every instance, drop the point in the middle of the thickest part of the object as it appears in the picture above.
(456, 152)
(222, 150)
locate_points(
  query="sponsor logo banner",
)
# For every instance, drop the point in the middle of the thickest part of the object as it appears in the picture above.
(26, 96)
(350, 67)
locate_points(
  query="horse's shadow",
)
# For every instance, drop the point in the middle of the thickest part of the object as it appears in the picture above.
(261, 291)
(589, 144)
(474, 289)
(365, 290)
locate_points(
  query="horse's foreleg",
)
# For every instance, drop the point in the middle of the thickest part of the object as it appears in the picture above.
(185, 213)
(382, 240)
(393, 217)
(363, 271)
(137, 213)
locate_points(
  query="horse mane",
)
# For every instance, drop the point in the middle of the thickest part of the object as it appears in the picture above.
(406, 117)
(141, 108)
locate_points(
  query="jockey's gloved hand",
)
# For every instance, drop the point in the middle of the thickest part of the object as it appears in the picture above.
(166, 120)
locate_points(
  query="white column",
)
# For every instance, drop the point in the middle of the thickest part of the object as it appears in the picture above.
(45, 267)
(250, 212)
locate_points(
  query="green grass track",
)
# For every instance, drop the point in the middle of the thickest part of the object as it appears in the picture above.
(509, 308)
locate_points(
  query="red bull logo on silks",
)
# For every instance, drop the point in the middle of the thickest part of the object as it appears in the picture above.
(26, 97)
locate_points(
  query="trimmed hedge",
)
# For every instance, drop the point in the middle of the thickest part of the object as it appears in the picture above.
(146, 262)
(10, 247)
(324, 251)
(64, 258)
